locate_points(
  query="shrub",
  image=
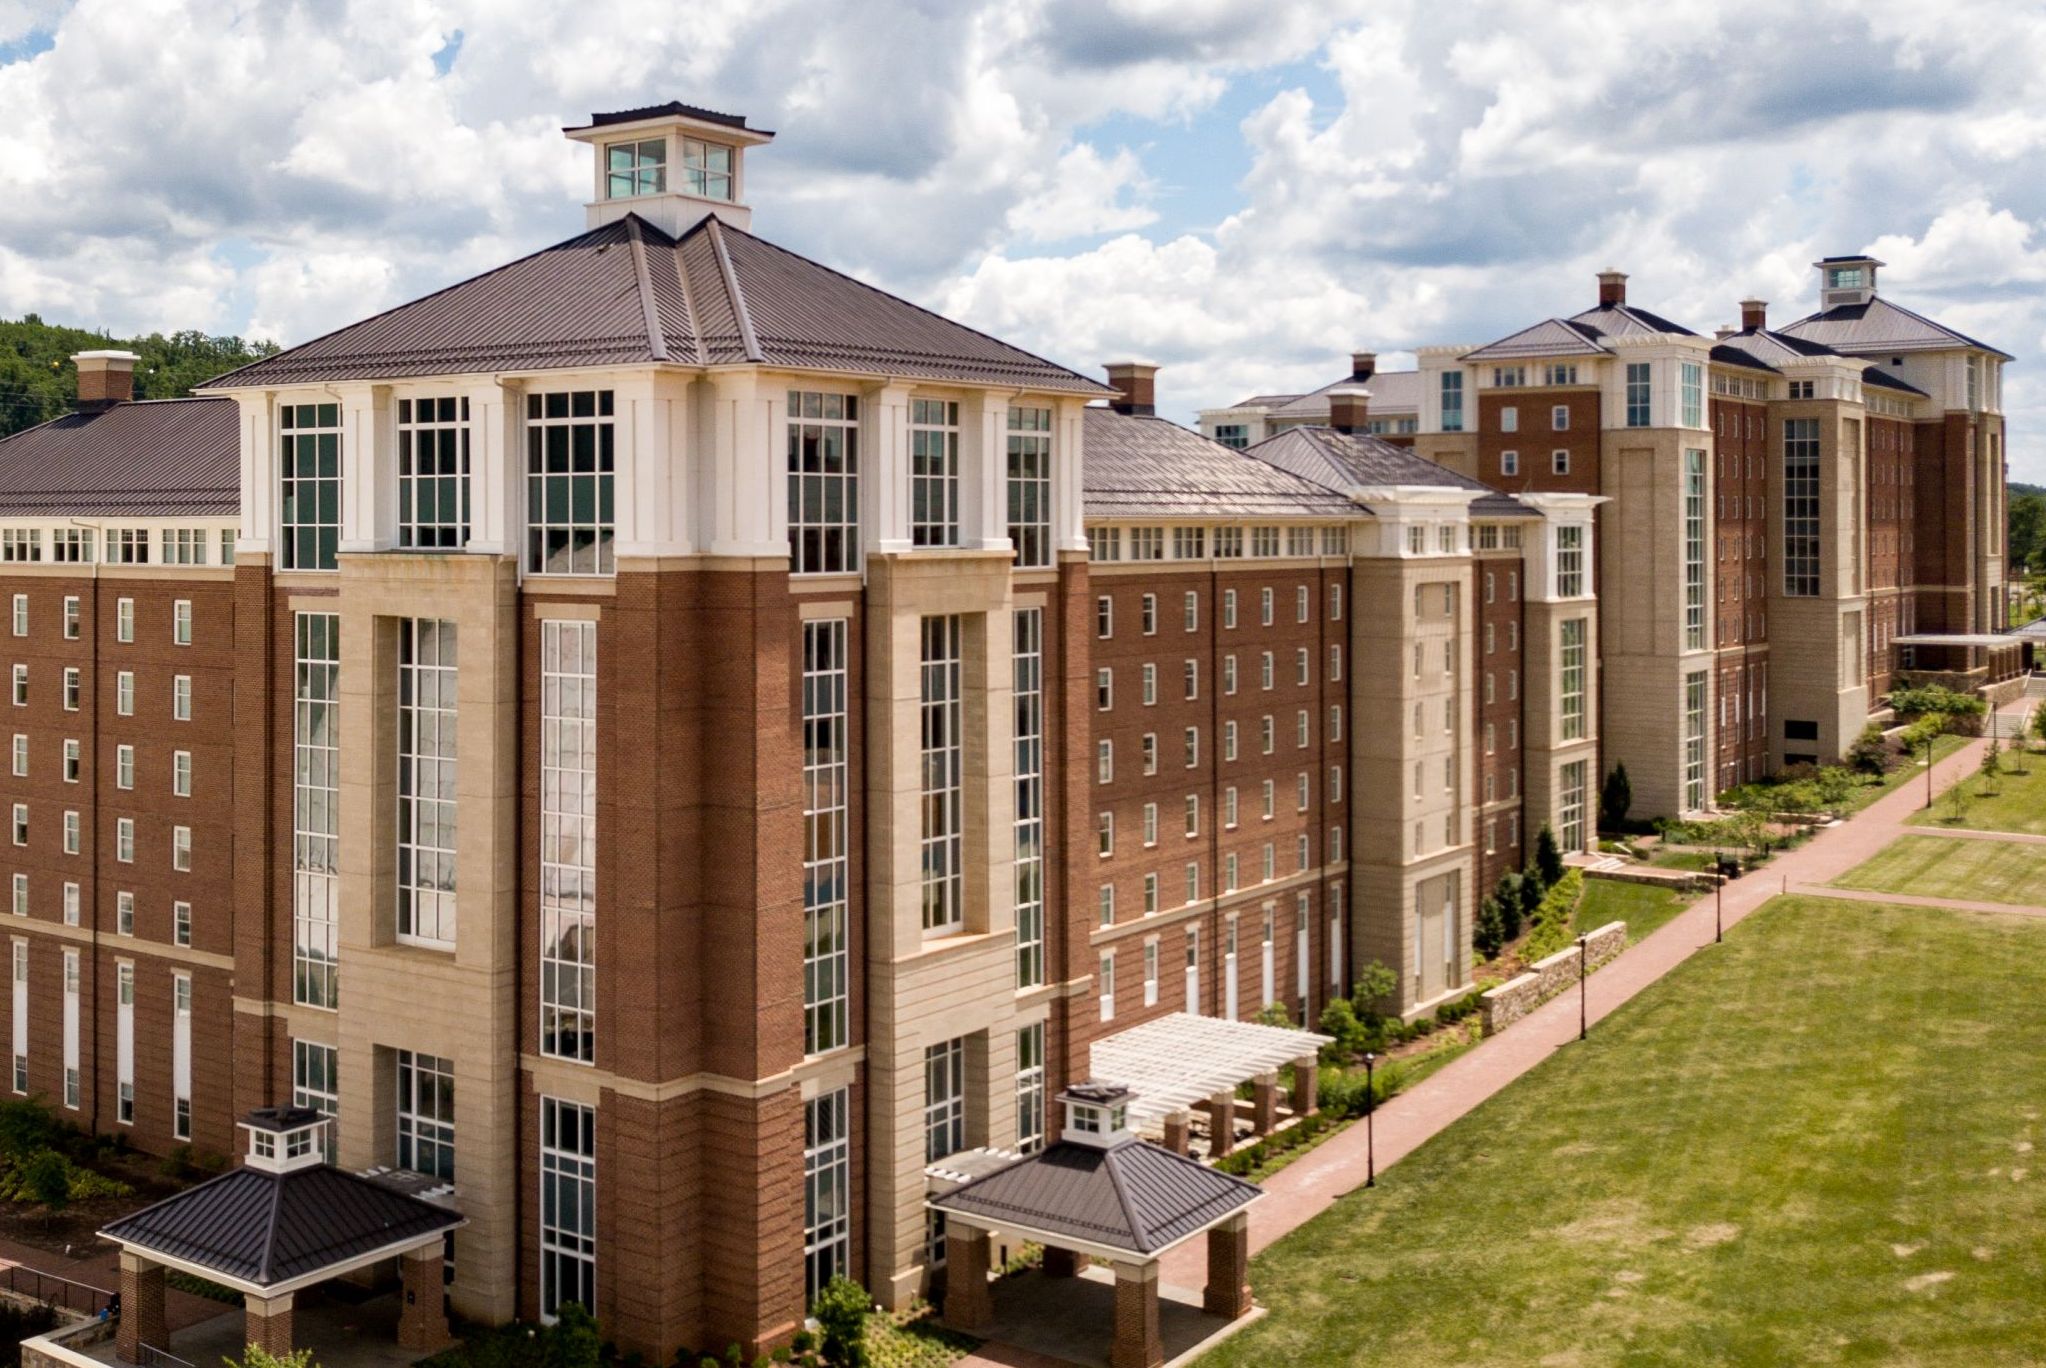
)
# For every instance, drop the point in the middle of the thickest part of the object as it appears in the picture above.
(26, 1125)
(1488, 937)
(1339, 1022)
(18, 1323)
(1532, 891)
(571, 1342)
(1551, 921)
(1548, 857)
(1869, 754)
(46, 1178)
(1512, 910)
(1275, 1014)
(1615, 798)
(1375, 984)
(1919, 700)
(841, 1311)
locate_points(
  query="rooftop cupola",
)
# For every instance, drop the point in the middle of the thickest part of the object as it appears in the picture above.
(1846, 280)
(673, 164)
(1097, 1115)
(282, 1139)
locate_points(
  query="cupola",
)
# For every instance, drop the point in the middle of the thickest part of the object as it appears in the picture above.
(673, 164)
(282, 1139)
(1097, 1115)
(1846, 280)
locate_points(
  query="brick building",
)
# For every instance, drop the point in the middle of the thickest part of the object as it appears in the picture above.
(669, 742)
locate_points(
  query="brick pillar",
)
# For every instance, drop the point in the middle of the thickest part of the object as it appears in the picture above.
(422, 1313)
(1306, 1086)
(1178, 1132)
(969, 1301)
(268, 1322)
(1221, 1124)
(1137, 1343)
(1063, 1263)
(142, 1321)
(1228, 1291)
(1264, 1103)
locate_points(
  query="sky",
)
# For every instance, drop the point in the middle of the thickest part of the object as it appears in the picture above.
(1242, 191)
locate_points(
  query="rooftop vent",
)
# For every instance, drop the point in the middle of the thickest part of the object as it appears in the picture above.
(1097, 1114)
(1138, 381)
(105, 378)
(1612, 288)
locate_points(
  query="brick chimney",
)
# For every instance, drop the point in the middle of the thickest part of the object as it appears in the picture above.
(1754, 315)
(105, 378)
(1363, 365)
(1349, 408)
(1612, 288)
(1138, 382)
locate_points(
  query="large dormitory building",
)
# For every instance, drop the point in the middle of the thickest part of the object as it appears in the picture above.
(670, 742)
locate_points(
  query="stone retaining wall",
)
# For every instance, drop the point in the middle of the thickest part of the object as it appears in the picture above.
(1516, 997)
(63, 1348)
(1683, 880)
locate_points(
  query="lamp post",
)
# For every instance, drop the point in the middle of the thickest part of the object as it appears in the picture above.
(1370, 1112)
(1583, 976)
(1928, 771)
(1719, 900)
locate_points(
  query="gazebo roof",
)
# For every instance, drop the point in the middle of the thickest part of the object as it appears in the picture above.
(1172, 1062)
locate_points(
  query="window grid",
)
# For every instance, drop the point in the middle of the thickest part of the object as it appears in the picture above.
(426, 782)
(824, 483)
(944, 1099)
(934, 472)
(568, 1205)
(827, 1190)
(1571, 688)
(944, 881)
(1801, 507)
(568, 840)
(1030, 484)
(1030, 1088)
(426, 1114)
(826, 866)
(571, 457)
(1694, 549)
(316, 811)
(433, 473)
(311, 472)
(1029, 733)
(316, 1084)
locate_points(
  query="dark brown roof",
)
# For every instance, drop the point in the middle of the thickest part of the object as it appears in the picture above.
(1145, 467)
(626, 293)
(267, 1228)
(1345, 461)
(1880, 326)
(1133, 1196)
(674, 107)
(150, 458)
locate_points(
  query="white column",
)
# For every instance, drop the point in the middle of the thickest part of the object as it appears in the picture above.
(983, 468)
(651, 430)
(497, 467)
(369, 469)
(744, 494)
(1069, 531)
(884, 467)
(256, 421)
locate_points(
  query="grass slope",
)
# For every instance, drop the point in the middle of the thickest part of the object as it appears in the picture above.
(1641, 906)
(2019, 803)
(1936, 867)
(1811, 1146)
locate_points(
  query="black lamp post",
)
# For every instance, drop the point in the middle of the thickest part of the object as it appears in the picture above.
(1719, 901)
(1583, 976)
(1928, 771)
(1370, 1112)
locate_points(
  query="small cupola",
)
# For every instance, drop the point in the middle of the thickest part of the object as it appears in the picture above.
(282, 1139)
(674, 165)
(1097, 1114)
(1846, 280)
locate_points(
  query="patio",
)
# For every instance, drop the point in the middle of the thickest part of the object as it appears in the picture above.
(343, 1329)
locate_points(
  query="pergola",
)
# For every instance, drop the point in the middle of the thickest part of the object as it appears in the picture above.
(1174, 1063)
(282, 1222)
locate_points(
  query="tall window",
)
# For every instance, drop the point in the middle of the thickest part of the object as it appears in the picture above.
(315, 810)
(1452, 401)
(1691, 393)
(426, 782)
(433, 473)
(568, 1205)
(310, 466)
(1638, 373)
(568, 840)
(1030, 1088)
(1029, 704)
(827, 1190)
(632, 169)
(824, 483)
(933, 472)
(1570, 689)
(20, 1016)
(1694, 550)
(426, 1114)
(1030, 484)
(571, 454)
(1801, 507)
(73, 1088)
(1570, 561)
(943, 873)
(825, 853)
(316, 1083)
(124, 1043)
(944, 1099)
(1694, 740)
(181, 1056)
(1570, 807)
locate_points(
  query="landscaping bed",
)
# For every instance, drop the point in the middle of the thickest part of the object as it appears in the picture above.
(58, 1185)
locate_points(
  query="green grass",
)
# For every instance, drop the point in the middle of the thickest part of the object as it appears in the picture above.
(1642, 907)
(1942, 747)
(2019, 804)
(1689, 860)
(1943, 867)
(1812, 1145)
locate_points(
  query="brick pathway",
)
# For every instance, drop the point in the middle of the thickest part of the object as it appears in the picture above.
(1970, 834)
(1870, 895)
(100, 1268)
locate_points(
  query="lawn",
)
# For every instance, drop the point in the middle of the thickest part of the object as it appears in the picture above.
(1642, 907)
(1813, 1145)
(1904, 773)
(2019, 803)
(1946, 867)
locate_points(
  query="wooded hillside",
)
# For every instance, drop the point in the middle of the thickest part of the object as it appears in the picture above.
(37, 381)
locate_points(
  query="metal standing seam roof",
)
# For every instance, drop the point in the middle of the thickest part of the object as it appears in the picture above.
(1172, 1062)
(1346, 461)
(267, 1228)
(672, 107)
(1550, 337)
(626, 293)
(1626, 320)
(143, 458)
(1391, 392)
(1138, 466)
(1132, 1196)
(1880, 326)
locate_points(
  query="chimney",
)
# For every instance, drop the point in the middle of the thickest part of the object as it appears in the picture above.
(105, 378)
(1349, 407)
(1363, 365)
(1754, 315)
(1138, 382)
(1612, 288)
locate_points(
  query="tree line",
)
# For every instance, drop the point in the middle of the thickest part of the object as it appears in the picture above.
(38, 381)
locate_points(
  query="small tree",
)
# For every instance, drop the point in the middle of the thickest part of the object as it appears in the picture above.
(1615, 798)
(47, 1177)
(1275, 1014)
(1488, 937)
(572, 1341)
(841, 1311)
(1548, 857)
(1992, 765)
(1507, 895)
(1376, 982)
(1869, 755)
(2039, 720)
(1532, 891)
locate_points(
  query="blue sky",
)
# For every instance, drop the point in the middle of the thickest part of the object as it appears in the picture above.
(1242, 192)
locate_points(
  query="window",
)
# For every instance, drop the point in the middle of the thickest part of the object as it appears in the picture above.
(1570, 688)
(181, 698)
(72, 1090)
(1149, 748)
(73, 830)
(1104, 543)
(1691, 393)
(310, 466)
(1193, 747)
(1229, 674)
(181, 774)
(71, 759)
(1147, 543)
(1803, 389)
(1801, 507)
(316, 1083)
(568, 838)
(1264, 670)
(1030, 484)
(1303, 666)
(72, 688)
(71, 619)
(934, 473)
(226, 546)
(944, 888)
(1106, 986)
(181, 923)
(1104, 689)
(1694, 740)
(1559, 461)
(1104, 762)
(1228, 609)
(1189, 543)
(181, 849)
(1193, 815)
(1235, 435)
(1151, 973)
(124, 913)
(124, 837)
(181, 1056)
(1030, 1088)
(1509, 418)
(72, 545)
(21, 615)
(20, 756)
(21, 686)
(21, 544)
(426, 1114)
(1637, 393)
(1452, 401)
(571, 453)
(1694, 550)
(1104, 617)
(1149, 676)
(1190, 611)
(706, 169)
(427, 681)
(1104, 832)
(124, 620)
(1108, 904)
(1559, 416)
(124, 1043)
(944, 1099)
(70, 903)
(1570, 807)
(637, 168)
(20, 1014)
(1148, 614)
(827, 1190)
(1265, 606)
(1509, 463)
(1150, 824)
(130, 545)
(124, 693)
(433, 473)
(315, 810)
(1229, 740)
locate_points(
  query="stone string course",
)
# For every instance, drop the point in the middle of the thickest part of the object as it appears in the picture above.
(1516, 997)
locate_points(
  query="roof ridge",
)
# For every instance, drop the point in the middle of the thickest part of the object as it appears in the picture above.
(696, 348)
(741, 314)
(1139, 1230)
(270, 1227)
(649, 307)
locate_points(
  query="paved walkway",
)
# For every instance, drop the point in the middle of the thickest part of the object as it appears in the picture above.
(1971, 834)
(1871, 895)
(100, 1268)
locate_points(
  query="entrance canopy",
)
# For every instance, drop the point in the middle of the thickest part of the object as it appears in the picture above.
(1172, 1063)
(1989, 640)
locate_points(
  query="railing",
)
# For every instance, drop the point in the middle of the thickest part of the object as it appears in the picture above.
(149, 1356)
(51, 1290)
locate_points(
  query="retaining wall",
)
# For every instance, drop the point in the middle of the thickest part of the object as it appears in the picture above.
(1516, 997)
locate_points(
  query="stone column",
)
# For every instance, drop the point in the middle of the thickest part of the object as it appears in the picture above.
(1228, 1291)
(268, 1323)
(422, 1312)
(1306, 1086)
(1178, 1131)
(142, 1320)
(969, 1302)
(1221, 1124)
(1063, 1263)
(1137, 1343)
(1264, 1103)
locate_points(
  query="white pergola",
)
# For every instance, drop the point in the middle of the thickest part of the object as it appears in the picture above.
(1173, 1063)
